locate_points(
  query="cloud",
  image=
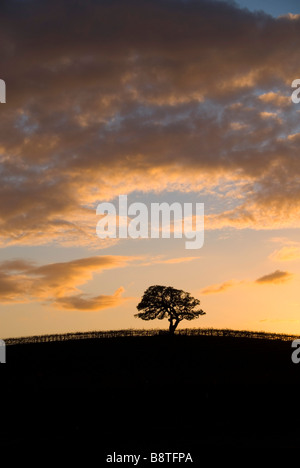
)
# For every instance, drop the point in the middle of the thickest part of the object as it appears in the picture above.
(275, 277)
(109, 97)
(217, 288)
(290, 16)
(285, 254)
(22, 281)
(175, 260)
(179, 260)
(85, 303)
(166, 261)
(276, 99)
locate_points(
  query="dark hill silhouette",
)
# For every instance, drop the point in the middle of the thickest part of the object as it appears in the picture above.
(149, 332)
(236, 392)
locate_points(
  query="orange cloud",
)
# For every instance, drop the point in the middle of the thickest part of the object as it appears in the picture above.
(159, 259)
(217, 288)
(22, 281)
(275, 277)
(286, 253)
(135, 113)
(179, 260)
(276, 99)
(85, 303)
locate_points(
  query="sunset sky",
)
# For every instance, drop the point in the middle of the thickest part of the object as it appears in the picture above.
(165, 101)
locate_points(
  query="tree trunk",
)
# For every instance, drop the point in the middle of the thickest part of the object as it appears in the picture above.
(173, 326)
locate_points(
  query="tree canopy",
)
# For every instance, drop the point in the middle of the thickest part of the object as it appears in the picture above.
(159, 302)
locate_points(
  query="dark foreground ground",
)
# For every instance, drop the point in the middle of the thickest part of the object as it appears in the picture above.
(150, 394)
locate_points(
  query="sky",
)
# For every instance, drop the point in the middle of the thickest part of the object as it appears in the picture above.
(272, 7)
(163, 101)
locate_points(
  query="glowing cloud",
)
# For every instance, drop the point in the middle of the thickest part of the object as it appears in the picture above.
(218, 288)
(145, 113)
(275, 277)
(22, 281)
(86, 303)
(286, 253)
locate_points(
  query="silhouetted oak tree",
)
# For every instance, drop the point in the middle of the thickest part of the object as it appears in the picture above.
(166, 302)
